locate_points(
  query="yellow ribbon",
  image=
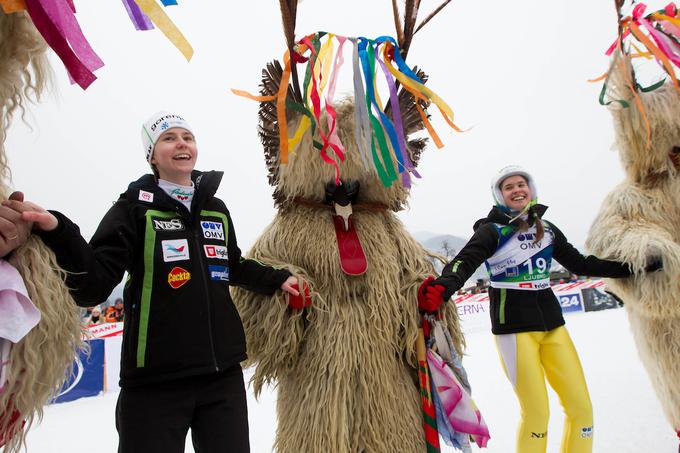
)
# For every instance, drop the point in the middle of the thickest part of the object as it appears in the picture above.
(169, 29)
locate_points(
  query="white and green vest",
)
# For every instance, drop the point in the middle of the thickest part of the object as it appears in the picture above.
(518, 262)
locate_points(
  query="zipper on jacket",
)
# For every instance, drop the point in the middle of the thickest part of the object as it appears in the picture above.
(202, 271)
(501, 310)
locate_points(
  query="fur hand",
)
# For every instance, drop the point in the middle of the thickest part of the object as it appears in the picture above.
(14, 231)
(31, 212)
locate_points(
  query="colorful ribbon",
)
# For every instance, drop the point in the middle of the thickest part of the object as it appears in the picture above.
(12, 6)
(658, 33)
(55, 21)
(156, 14)
(381, 140)
(138, 18)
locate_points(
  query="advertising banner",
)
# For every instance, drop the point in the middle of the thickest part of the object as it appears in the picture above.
(88, 375)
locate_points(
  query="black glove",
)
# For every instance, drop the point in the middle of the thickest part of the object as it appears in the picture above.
(654, 264)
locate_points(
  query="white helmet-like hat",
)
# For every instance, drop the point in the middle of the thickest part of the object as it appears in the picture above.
(506, 172)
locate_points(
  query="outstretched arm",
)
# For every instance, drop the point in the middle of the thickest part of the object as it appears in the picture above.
(93, 269)
(590, 265)
(480, 247)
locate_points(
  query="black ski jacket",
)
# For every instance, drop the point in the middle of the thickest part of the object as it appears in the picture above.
(179, 317)
(515, 310)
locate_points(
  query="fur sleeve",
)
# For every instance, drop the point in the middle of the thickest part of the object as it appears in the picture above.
(273, 331)
(625, 230)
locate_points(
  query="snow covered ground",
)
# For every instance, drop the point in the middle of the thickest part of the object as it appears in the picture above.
(628, 418)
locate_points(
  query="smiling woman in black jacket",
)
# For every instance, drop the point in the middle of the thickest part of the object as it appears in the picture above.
(518, 246)
(183, 340)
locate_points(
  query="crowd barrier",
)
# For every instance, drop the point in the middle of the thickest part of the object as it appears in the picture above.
(99, 372)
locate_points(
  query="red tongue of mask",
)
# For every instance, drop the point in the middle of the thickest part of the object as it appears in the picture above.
(351, 253)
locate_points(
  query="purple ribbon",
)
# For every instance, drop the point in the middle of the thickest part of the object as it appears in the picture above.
(399, 127)
(140, 20)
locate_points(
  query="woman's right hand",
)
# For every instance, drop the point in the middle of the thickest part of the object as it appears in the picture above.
(32, 213)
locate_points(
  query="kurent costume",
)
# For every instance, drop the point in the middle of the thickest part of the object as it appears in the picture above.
(33, 364)
(345, 366)
(640, 219)
(526, 316)
(183, 340)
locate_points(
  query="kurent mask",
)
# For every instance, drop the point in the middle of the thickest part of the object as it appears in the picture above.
(158, 123)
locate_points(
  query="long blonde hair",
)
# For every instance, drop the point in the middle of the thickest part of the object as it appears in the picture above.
(41, 361)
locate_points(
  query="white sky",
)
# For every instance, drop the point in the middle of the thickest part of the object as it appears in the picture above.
(513, 71)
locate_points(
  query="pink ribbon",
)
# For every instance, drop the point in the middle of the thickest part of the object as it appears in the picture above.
(57, 39)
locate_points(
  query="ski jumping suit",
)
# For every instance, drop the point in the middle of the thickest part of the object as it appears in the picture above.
(183, 340)
(526, 318)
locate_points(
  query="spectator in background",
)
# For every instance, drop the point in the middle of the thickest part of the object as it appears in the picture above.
(96, 317)
(115, 313)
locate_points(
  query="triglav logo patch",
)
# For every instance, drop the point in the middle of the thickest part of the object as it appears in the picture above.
(145, 196)
(212, 230)
(175, 250)
(168, 225)
(178, 277)
(216, 251)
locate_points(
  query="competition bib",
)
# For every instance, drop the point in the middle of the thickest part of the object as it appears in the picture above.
(519, 263)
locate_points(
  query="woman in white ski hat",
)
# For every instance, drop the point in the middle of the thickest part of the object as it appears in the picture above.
(183, 340)
(518, 245)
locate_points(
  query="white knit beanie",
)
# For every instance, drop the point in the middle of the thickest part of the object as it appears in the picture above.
(158, 123)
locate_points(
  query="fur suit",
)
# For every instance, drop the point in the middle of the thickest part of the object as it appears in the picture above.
(345, 366)
(640, 221)
(42, 360)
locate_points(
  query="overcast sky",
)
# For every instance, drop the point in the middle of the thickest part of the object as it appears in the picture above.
(513, 72)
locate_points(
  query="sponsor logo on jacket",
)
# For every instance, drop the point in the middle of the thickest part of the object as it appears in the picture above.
(212, 230)
(145, 196)
(175, 250)
(178, 277)
(219, 273)
(216, 251)
(168, 225)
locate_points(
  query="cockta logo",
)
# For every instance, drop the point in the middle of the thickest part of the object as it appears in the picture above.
(178, 277)
(212, 230)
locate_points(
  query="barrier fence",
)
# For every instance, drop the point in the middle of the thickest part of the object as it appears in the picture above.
(99, 372)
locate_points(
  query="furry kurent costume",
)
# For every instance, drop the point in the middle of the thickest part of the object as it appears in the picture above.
(40, 363)
(639, 221)
(345, 366)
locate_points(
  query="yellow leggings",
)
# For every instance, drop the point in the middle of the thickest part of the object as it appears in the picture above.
(529, 358)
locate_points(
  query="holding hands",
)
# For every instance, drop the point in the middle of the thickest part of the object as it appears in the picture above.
(297, 299)
(430, 295)
(14, 230)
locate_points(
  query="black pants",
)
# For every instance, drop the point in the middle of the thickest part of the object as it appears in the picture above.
(156, 418)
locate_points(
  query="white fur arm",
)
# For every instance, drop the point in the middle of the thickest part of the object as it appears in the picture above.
(654, 294)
